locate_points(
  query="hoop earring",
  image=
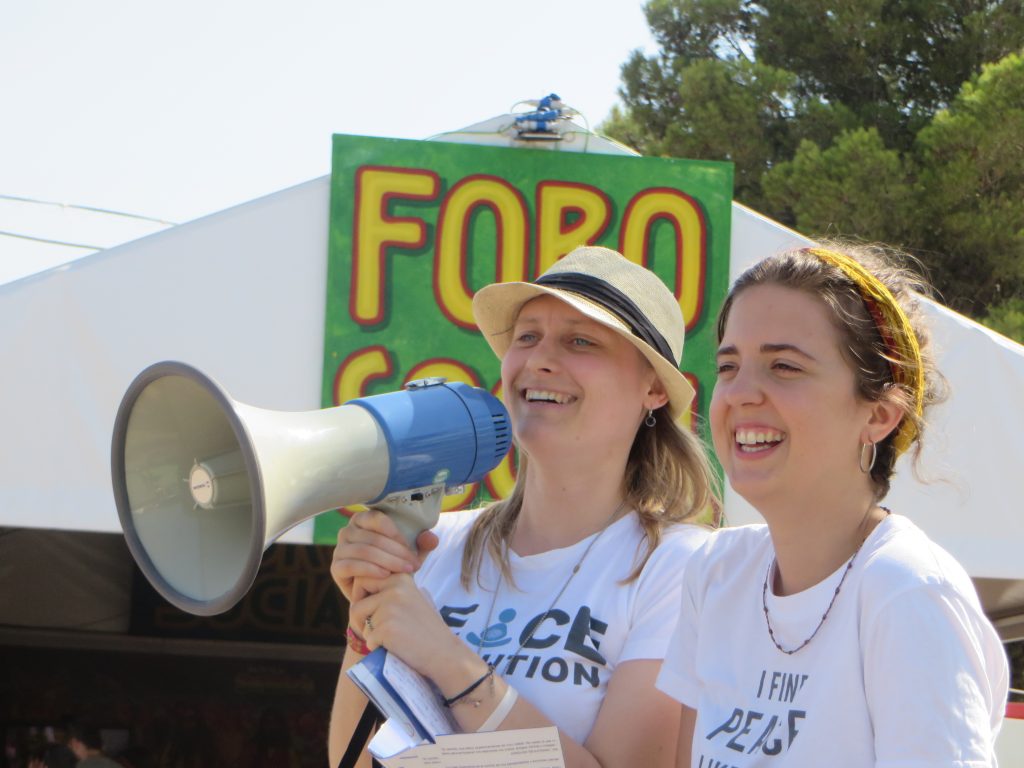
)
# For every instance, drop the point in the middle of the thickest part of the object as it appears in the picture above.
(874, 455)
(650, 421)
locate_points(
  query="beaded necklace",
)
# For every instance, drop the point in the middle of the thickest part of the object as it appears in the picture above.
(764, 598)
(565, 586)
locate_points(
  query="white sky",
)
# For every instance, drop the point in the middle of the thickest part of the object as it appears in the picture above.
(178, 109)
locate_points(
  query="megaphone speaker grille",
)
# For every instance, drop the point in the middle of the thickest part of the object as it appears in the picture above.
(188, 488)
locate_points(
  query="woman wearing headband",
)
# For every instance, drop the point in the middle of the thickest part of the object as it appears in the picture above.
(838, 634)
(556, 605)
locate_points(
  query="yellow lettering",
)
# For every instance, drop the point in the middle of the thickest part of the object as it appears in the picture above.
(451, 271)
(376, 230)
(556, 233)
(687, 219)
(357, 371)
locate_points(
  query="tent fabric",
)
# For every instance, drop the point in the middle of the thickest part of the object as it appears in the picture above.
(241, 295)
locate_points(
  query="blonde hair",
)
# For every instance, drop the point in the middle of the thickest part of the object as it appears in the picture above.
(668, 479)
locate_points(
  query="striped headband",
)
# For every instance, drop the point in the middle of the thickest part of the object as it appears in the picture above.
(895, 330)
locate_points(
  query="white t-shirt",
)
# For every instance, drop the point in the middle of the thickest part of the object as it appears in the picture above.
(594, 626)
(905, 671)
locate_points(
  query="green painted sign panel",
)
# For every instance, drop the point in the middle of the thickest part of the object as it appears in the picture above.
(417, 227)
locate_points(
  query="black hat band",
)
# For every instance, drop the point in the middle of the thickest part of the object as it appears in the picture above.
(615, 301)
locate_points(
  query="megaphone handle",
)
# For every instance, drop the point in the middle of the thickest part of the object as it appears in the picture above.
(413, 511)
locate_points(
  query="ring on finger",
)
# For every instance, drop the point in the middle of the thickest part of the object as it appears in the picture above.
(369, 623)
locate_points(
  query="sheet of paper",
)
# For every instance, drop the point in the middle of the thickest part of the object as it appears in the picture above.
(392, 739)
(528, 748)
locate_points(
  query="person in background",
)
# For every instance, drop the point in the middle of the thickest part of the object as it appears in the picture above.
(838, 634)
(85, 741)
(55, 753)
(555, 605)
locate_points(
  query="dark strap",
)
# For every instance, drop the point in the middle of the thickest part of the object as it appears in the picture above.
(361, 737)
(615, 301)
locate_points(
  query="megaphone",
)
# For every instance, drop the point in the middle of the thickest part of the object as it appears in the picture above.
(204, 484)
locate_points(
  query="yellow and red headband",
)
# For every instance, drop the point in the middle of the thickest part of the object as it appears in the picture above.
(896, 331)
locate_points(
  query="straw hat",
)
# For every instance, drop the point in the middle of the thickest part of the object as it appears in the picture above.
(608, 288)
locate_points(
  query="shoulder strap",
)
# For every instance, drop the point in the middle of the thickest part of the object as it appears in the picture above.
(361, 737)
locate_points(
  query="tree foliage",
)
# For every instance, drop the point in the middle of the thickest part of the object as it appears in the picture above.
(730, 110)
(868, 118)
(971, 187)
(854, 186)
(1007, 318)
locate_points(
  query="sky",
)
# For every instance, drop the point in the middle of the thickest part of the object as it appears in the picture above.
(174, 110)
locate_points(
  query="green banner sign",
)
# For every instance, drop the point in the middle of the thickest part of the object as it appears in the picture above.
(417, 227)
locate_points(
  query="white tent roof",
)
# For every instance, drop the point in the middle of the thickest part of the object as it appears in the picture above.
(241, 294)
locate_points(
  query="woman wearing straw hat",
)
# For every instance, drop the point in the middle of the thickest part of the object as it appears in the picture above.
(838, 634)
(554, 606)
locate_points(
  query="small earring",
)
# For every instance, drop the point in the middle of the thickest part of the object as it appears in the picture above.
(650, 421)
(874, 455)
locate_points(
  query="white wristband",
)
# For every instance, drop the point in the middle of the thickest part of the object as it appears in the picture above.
(500, 712)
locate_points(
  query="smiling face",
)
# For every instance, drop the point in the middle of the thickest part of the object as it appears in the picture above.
(572, 384)
(785, 418)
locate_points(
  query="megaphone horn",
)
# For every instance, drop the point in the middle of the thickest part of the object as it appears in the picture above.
(204, 484)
